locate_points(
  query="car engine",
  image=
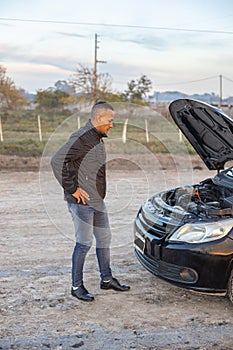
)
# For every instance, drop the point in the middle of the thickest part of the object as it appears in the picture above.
(204, 200)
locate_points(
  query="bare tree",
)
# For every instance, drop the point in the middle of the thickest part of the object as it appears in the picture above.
(85, 85)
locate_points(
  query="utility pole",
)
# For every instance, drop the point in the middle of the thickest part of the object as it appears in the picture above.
(220, 91)
(95, 67)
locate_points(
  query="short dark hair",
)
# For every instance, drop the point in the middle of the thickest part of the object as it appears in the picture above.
(98, 106)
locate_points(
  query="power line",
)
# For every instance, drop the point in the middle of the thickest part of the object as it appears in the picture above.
(117, 25)
(189, 81)
(184, 82)
(228, 79)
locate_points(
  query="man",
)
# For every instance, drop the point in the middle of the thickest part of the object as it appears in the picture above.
(79, 166)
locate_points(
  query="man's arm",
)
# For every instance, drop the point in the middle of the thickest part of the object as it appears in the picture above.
(63, 169)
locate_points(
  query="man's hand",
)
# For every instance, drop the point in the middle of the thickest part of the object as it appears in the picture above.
(81, 195)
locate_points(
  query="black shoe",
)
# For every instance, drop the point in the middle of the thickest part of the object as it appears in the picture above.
(82, 294)
(114, 284)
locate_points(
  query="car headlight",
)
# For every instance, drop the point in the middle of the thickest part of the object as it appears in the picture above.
(202, 232)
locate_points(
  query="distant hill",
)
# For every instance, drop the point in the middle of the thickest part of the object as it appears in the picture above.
(169, 96)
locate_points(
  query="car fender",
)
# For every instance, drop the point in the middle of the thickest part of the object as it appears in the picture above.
(231, 234)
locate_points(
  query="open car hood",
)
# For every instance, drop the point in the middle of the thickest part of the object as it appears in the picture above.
(208, 129)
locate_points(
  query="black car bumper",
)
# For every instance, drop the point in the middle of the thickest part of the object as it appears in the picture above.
(179, 275)
(167, 271)
(201, 267)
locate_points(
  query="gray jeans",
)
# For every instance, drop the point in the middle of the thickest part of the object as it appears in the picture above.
(89, 222)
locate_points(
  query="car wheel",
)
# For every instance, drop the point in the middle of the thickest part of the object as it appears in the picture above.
(230, 287)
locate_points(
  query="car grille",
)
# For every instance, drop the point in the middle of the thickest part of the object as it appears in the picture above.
(156, 228)
(153, 225)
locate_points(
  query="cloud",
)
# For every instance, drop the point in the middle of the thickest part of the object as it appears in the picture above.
(72, 35)
(60, 61)
(9, 52)
(16, 54)
(5, 24)
(149, 42)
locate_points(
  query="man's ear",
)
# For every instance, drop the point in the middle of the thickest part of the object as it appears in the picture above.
(99, 119)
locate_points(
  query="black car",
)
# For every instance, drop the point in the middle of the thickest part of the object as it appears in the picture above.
(185, 235)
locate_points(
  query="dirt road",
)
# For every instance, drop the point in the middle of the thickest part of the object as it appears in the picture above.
(37, 309)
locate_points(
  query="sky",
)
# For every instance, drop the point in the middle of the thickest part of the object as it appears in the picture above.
(180, 45)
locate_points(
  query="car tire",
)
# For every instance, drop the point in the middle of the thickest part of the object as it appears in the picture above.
(230, 287)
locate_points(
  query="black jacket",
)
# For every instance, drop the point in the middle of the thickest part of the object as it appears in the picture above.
(80, 162)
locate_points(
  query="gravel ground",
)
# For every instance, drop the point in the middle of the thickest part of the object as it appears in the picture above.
(37, 310)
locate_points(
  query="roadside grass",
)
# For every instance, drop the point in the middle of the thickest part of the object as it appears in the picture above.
(21, 133)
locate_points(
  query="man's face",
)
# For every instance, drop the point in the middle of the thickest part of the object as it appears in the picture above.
(105, 121)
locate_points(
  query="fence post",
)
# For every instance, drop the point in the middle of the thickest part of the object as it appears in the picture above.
(124, 131)
(1, 134)
(180, 136)
(146, 127)
(39, 127)
(78, 122)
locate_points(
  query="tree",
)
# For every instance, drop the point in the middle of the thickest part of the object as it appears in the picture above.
(137, 89)
(10, 96)
(91, 86)
(49, 100)
(63, 85)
